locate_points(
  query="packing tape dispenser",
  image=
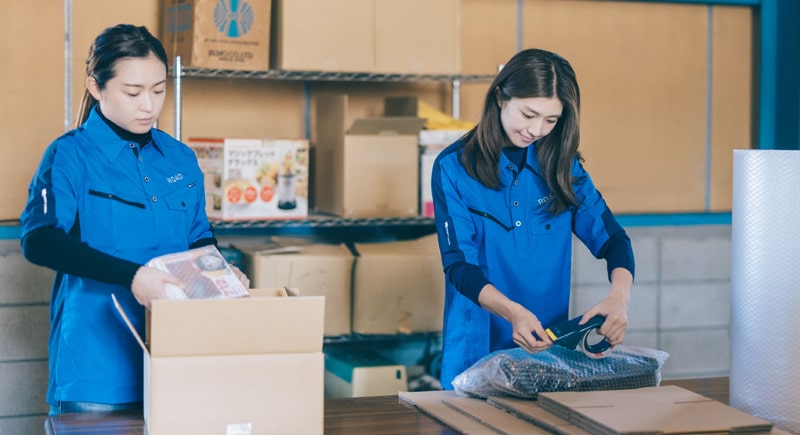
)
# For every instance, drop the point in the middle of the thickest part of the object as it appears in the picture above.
(570, 334)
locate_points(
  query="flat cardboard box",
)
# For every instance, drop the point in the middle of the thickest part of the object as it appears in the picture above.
(432, 404)
(398, 287)
(234, 365)
(323, 35)
(319, 269)
(362, 373)
(209, 34)
(254, 178)
(651, 410)
(431, 46)
(370, 170)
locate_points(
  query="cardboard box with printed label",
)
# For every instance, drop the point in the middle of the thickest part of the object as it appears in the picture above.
(252, 179)
(319, 269)
(398, 287)
(362, 373)
(246, 365)
(323, 35)
(218, 34)
(368, 170)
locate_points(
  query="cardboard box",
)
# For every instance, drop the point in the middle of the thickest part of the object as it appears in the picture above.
(323, 35)
(252, 179)
(246, 365)
(362, 373)
(431, 46)
(319, 269)
(431, 143)
(398, 287)
(370, 170)
(214, 34)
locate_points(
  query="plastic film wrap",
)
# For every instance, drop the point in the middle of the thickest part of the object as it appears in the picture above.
(517, 373)
(765, 286)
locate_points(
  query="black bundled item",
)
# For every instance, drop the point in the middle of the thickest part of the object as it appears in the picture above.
(517, 373)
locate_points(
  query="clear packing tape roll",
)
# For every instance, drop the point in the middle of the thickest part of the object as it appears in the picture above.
(765, 286)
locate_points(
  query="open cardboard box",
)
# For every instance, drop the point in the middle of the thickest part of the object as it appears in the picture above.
(250, 365)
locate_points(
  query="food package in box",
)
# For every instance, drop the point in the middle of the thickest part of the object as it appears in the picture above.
(205, 273)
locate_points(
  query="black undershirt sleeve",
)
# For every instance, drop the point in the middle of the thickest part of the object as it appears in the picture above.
(54, 248)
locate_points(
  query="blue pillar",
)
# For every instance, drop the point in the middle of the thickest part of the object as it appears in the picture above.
(779, 74)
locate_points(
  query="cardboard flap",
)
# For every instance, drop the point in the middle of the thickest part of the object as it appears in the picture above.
(387, 126)
(255, 325)
(128, 322)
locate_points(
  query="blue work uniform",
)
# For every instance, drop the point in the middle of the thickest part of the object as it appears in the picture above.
(511, 240)
(124, 200)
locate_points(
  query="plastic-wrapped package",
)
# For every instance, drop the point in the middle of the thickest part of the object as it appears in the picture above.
(517, 373)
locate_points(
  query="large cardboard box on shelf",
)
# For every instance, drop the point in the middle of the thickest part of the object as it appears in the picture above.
(432, 47)
(254, 179)
(218, 34)
(370, 169)
(246, 365)
(361, 373)
(398, 287)
(319, 269)
(323, 35)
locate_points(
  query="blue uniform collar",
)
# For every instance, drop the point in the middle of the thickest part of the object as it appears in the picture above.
(108, 141)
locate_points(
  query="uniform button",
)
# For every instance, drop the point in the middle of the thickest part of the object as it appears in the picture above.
(132, 145)
(155, 199)
(547, 227)
(511, 167)
(146, 179)
(516, 203)
(518, 223)
(140, 158)
(516, 182)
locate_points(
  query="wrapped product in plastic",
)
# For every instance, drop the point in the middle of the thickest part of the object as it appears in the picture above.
(517, 373)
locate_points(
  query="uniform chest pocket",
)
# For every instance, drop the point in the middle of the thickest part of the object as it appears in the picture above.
(546, 223)
(183, 199)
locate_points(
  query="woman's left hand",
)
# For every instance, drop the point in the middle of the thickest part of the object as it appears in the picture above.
(242, 277)
(614, 307)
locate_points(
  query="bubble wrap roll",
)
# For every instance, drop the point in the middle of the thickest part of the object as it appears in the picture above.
(765, 286)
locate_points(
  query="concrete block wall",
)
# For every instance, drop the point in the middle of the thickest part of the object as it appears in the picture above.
(680, 301)
(24, 328)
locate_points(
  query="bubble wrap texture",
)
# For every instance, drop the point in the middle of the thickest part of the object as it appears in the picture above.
(765, 286)
(517, 373)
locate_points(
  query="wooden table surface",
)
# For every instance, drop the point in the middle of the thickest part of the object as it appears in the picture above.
(384, 415)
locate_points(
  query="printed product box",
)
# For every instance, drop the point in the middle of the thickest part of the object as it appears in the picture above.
(254, 179)
(224, 34)
(431, 143)
(361, 373)
(319, 269)
(245, 365)
(368, 170)
(398, 287)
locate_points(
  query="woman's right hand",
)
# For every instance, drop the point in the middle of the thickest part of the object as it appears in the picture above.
(528, 332)
(150, 283)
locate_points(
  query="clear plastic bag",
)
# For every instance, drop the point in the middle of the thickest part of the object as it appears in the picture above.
(517, 373)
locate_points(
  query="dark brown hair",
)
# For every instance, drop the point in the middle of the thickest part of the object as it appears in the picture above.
(530, 73)
(115, 43)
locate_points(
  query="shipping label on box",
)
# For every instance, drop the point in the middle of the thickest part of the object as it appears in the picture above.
(221, 34)
(252, 179)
